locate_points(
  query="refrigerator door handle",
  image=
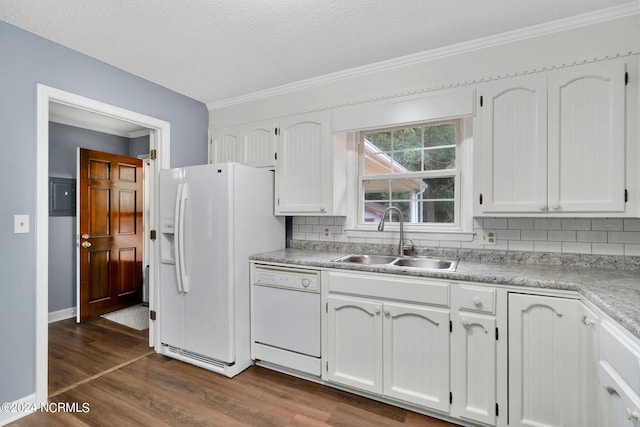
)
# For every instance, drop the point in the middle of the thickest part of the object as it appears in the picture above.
(184, 277)
(176, 228)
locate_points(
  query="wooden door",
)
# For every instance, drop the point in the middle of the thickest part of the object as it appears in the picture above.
(110, 218)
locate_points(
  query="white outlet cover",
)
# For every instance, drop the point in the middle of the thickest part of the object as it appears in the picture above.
(20, 224)
(487, 237)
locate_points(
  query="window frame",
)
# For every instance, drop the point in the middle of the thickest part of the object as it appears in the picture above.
(356, 223)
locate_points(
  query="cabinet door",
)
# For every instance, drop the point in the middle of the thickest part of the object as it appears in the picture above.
(475, 367)
(544, 373)
(256, 146)
(586, 140)
(355, 343)
(302, 150)
(416, 355)
(514, 146)
(224, 144)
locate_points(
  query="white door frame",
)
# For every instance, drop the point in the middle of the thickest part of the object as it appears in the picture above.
(159, 139)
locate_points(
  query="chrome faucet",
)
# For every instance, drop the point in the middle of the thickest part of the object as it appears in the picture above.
(381, 227)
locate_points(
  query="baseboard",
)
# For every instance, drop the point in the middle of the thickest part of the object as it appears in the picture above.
(12, 411)
(67, 313)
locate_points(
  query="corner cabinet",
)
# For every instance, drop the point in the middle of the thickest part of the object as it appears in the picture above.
(310, 167)
(544, 368)
(554, 144)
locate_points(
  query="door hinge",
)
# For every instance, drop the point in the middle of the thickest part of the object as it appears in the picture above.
(626, 78)
(326, 307)
(275, 155)
(153, 154)
(480, 198)
(497, 409)
(450, 397)
(152, 314)
(276, 131)
(450, 326)
(326, 366)
(481, 100)
(497, 335)
(152, 235)
(626, 195)
(278, 201)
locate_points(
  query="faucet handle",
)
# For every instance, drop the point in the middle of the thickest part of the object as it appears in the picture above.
(409, 248)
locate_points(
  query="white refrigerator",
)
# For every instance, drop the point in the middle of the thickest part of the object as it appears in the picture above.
(212, 217)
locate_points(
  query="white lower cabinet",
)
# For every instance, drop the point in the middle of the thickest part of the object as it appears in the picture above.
(544, 368)
(394, 349)
(473, 353)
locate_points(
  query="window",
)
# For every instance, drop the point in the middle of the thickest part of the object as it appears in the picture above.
(415, 169)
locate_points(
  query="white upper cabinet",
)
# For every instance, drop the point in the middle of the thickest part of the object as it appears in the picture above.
(252, 145)
(553, 144)
(310, 167)
(586, 140)
(257, 145)
(514, 149)
(223, 146)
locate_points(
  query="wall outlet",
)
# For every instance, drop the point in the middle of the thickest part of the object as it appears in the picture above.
(20, 224)
(486, 237)
(325, 234)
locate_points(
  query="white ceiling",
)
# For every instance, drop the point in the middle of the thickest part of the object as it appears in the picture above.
(214, 50)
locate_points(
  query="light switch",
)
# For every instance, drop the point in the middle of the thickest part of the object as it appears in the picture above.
(20, 224)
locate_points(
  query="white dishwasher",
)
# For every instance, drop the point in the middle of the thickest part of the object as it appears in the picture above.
(286, 318)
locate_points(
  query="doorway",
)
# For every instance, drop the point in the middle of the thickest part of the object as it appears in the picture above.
(81, 109)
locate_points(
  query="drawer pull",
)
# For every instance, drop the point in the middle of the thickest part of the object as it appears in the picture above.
(476, 301)
(632, 415)
(465, 323)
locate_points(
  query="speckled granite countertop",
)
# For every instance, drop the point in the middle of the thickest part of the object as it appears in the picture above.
(616, 292)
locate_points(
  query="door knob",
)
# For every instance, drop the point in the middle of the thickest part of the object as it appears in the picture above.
(86, 244)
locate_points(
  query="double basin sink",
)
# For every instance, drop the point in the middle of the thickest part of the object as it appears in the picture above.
(423, 263)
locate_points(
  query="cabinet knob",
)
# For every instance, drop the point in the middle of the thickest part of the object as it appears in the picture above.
(631, 415)
(542, 207)
(86, 244)
(465, 323)
(85, 236)
(377, 311)
(555, 206)
(387, 313)
(476, 301)
(587, 321)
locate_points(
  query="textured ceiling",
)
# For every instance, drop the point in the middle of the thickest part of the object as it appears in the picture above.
(213, 50)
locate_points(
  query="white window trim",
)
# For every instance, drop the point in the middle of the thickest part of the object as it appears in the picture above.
(463, 231)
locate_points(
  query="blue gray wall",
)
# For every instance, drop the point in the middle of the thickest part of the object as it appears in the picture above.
(63, 143)
(27, 60)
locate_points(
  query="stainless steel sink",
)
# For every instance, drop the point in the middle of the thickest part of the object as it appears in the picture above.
(368, 259)
(426, 263)
(417, 262)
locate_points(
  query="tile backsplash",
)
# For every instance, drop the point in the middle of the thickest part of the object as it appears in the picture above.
(596, 236)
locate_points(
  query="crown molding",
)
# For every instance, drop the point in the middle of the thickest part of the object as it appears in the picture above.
(615, 12)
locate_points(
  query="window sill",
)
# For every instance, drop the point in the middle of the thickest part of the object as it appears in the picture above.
(394, 233)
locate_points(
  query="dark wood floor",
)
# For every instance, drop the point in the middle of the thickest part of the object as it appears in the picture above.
(110, 368)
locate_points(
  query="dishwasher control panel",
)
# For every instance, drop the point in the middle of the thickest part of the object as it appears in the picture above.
(302, 280)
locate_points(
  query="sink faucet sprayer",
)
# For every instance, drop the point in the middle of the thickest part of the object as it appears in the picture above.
(381, 228)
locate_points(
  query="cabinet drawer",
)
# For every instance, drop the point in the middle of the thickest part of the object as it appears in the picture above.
(622, 354)
(476, 298)
(392, 287)
(619, 405)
